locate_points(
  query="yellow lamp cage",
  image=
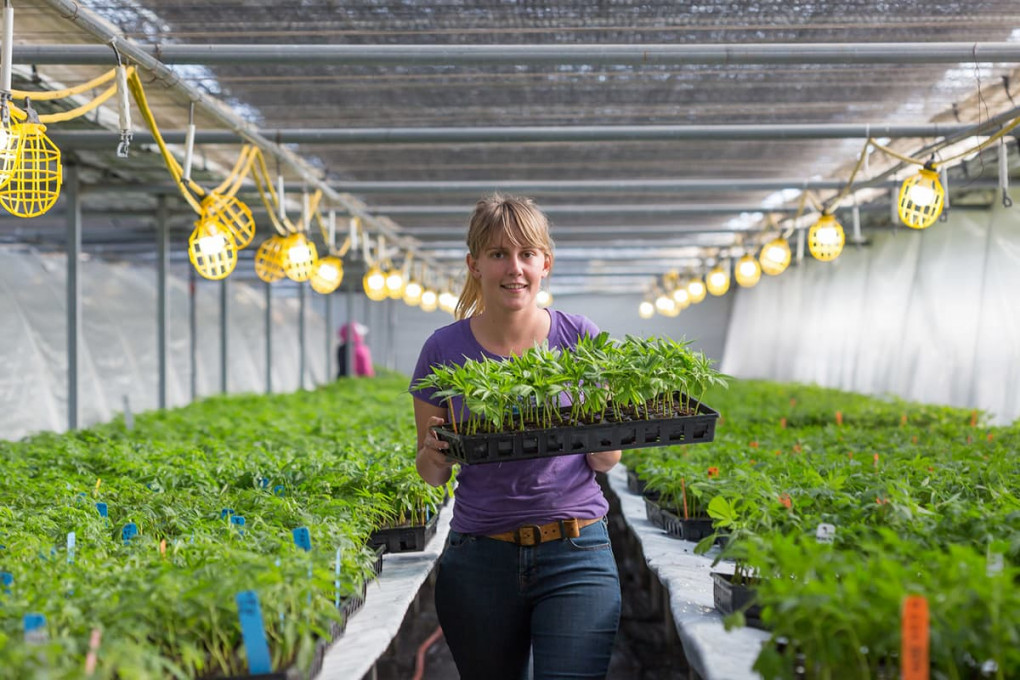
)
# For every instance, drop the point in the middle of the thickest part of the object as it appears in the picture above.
(696, 289)
(429, 300)
(775, 256)
(395, 284)
(299, 256)
(921, 199)
(34, 184)
(826, 238)
(233, 214)
(211, 250)
(718, 281)
(327, 274)
(10, 150)
(646, 310)
(374, 283)
(413, 292)
(747, 271)
(269, 259)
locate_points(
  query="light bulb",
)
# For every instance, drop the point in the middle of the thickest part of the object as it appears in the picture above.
(447, 302)
(299, 254)
(429, 300)
(696, 289)
(544, 298)
(412, 293)
(328, 271)
(214, 244)
(775, 256)
(826, 238)
(646, 310)
(682, 297)
(395, 284)
(666, 305)
(374, 283)
(718, 281)
(921, 198)
(748, 271)
(922, 195)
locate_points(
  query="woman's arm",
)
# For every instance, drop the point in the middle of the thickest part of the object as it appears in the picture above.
(431, 462)
(603, 461)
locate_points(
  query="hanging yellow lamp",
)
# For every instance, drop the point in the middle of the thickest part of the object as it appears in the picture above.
(696, 289)
(413, 292)
(327, 274)
(666, 305)
(395, 284)
(921, 198)
(718, 280)
(544, 298)
(747, 271)
(233, 214)
(269, 259)
(211, 250)
(826, 238)
(33, 186)
(775, 256)
(646, 310)
(299, 256)
(681, 297)
(374, 283)
(429, 300)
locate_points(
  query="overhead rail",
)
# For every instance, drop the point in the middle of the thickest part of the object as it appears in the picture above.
(97, 139)
(475, 55)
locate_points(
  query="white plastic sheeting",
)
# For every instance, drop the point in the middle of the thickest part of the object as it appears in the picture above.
(118, 351)
(931, 316)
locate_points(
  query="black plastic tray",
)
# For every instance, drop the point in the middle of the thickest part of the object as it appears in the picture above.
(557, 441)
(693, 529)
(405, 539)
(729, 598)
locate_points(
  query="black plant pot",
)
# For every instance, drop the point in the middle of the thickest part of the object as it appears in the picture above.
(405, 539)
(731, 597)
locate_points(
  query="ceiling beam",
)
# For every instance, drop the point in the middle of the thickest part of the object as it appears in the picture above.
(475, 55)
(100, 139)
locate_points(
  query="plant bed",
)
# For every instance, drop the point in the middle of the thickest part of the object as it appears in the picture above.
(691, 529)
(603, 435)
(732, 597)
(405, 538)
(635, 484)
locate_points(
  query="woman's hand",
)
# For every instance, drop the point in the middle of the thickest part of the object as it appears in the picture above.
(603, 461)
(432, 463)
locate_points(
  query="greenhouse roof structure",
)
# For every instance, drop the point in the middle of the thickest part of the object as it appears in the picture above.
(658, 136)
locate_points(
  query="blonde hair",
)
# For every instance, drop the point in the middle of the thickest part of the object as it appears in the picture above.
(515, 218)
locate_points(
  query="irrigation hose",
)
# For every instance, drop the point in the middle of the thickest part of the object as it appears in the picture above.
(419, 657)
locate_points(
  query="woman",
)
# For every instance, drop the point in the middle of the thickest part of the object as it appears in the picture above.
(528, 564)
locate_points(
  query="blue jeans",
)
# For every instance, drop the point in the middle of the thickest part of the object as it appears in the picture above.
(559, 600)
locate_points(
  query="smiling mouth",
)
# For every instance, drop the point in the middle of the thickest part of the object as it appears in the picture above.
(515, 286)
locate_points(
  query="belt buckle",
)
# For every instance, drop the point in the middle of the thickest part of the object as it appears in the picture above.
(536, 534)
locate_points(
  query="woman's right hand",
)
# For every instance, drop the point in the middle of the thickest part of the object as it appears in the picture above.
(434, 447)
(432, 462)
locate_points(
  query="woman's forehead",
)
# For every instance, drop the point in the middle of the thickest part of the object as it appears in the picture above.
(501, 240)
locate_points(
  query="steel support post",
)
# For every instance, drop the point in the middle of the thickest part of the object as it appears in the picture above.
(224, 366)
(72, 195)
(162, 306)
(301, 336)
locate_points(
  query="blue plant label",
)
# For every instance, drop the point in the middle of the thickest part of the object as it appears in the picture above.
(263, 482)
(254, 633)
(302, 538)
(129, 531)
(103, 512)
(70, 547)
(278, 489)
(226, 512)
(336, 581)
(825, 533)
(35, 628)
(6, 580)
(237, 521)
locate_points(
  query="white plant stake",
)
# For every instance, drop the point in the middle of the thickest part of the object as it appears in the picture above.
(825, 533)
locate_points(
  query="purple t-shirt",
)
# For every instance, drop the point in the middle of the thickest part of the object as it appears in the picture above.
(497, 497)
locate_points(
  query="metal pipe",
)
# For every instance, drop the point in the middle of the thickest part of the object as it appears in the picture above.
(162, 308)
(269, 337)
(100, 139)
(147, 57)
(73, 291)
(224, 365)
(301, 336)
(193, 331)
(581, 209)
(595, 186)
(475, 55)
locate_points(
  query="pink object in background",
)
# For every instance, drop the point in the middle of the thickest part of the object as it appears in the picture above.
(362, 355)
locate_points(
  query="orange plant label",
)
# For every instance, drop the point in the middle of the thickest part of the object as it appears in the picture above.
(162, 547)
(793, 401)
(914, 663)
(839, 417)
(782, 423)
(973, 418)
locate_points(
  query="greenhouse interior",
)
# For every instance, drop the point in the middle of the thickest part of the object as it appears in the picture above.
(230, 228)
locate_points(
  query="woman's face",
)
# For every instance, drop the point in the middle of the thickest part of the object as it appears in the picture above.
(510, 276)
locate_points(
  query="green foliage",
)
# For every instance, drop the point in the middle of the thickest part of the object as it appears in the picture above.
(923, 499)
(600, 378)
(338, 460)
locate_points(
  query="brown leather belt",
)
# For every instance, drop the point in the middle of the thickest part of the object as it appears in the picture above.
(533, 534)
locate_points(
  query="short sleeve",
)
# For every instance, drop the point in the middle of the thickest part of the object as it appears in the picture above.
(427, 358)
